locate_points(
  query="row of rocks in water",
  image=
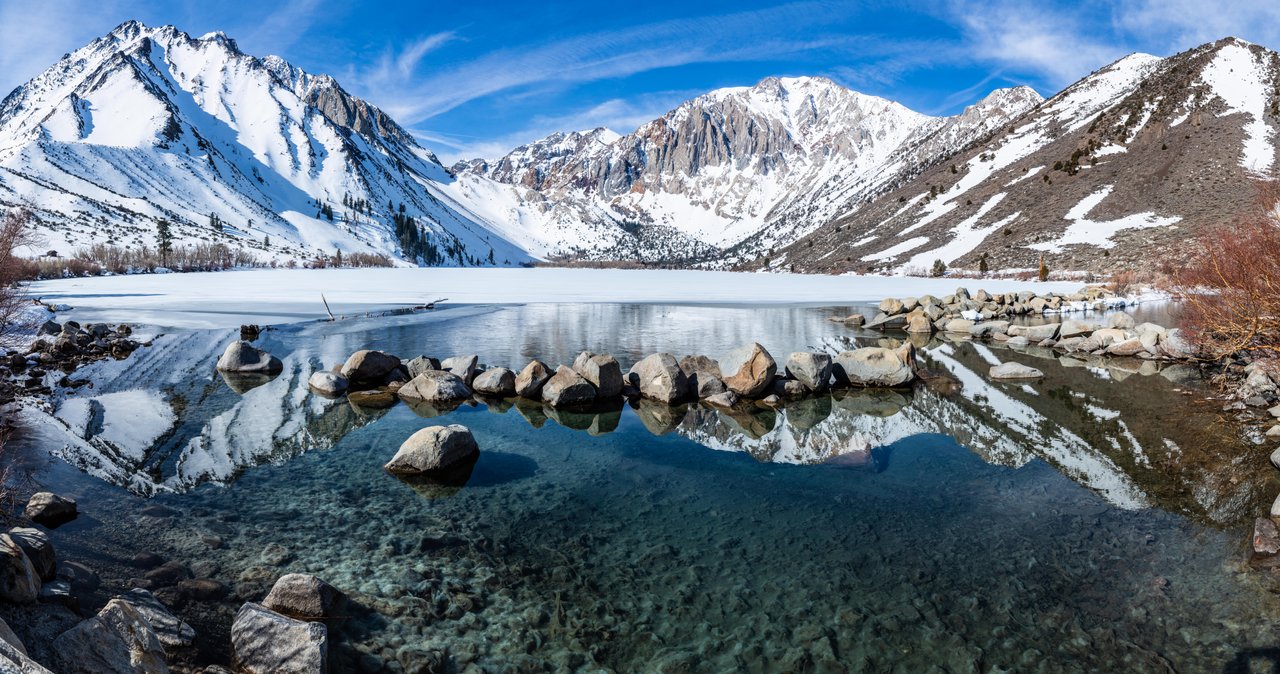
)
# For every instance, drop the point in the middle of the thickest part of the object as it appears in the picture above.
(744, 374)
(928, 313)
(62, 348)
(133, 632)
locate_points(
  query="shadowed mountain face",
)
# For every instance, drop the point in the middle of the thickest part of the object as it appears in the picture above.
(163, 421)
(1114, 172)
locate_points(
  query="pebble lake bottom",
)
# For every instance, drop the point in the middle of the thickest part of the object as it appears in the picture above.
(1094, 520)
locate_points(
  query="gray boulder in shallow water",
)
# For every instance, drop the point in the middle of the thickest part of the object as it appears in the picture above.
(328, 383)
(369, 368)
(434, 386)
(119, 640)
(302, 595)
(813, 370)
(38, 548)
(433, 448)
(1014, 371)
(567, 388)
(602, 372)
(658, 377)
(421, 364)
(691, 365)
(19, 581)
(50, 510)
(705, 385)
(531, 379)
(875, 366)
(246, 358)
(496, 381)
(749, 370)
(265, 642)
(462, 367)
(1075, 329)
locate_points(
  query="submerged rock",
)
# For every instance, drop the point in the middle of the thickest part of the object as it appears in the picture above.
(497, 381)
(750, 370)
(244, 357)
(50, 509)
(369, 368)
(658, 377)
(531, 379)
(328, 383)
(19, 582)
(265, 642)
(433, 448)
(1014, 371)
(567, 389)
(119, 640)
(434, 386)
(303, 596)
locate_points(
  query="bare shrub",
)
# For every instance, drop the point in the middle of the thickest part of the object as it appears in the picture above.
(1231, 289)
(15, 233)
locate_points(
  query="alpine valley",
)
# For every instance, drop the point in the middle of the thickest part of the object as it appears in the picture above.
(801, 174)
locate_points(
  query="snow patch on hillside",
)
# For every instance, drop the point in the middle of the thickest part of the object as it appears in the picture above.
(1237, 77)
(1084, 231)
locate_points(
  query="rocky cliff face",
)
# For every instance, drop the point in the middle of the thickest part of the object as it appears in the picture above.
(1115, 172)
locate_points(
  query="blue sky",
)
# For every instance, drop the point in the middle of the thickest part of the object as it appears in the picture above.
(477, 78)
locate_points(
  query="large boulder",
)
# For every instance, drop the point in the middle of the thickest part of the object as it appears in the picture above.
(50, 509)
(658, 377)
(1014, 371)
(434, 386)
(875, 366)
(463, 367)
(38, 548)
(691, 365)
(705, 385)
(531, 379)
(891, 306)
(328, 383)
(1121, 321)
(13, 655)
(169, 628)
(602, 372)
(1174, 344)
(1075, 329)
(496, 381)
(1129, 347)
(812, 370)
(920, 323)
(1038, 333)
(369, 368)
(19, 581)
(749, 370)
(265, 642)
(432, 449)
(119, 640)
(567, 388)
(302, 596)
(241, 356)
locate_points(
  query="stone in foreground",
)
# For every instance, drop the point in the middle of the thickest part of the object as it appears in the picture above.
(433, 448)
(749, 370)
(875, 366)
(50, 510)
(462, 367)
(497, 381)
(531, 379)
(604, 373)
(434, 386)
(265, 642)
(303, 596)
(658, 377)
(1266, 543)
(38, 548)
(19, 582)
(119, 640)
(328, 383)
(1014, 371)
(369, 368)
(169, 629)
(567, 388)
(246, 358)
(813, 370)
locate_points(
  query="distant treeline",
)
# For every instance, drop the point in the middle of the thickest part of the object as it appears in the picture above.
(100, 259)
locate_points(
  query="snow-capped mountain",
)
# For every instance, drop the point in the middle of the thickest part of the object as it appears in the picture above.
(149, 124)
(1114, 172)
(725, 175)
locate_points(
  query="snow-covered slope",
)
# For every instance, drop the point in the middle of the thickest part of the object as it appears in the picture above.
(1114, 172)
(149, 124)
(724, 175)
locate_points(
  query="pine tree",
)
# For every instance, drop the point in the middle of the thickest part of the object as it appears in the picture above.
(1044, 270)
(266, 241)
(982, 264)
(215, 222)
(337, 257)
(164, 241)
(939, 268)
